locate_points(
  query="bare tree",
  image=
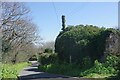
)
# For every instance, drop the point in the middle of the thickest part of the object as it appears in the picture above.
(19, 32)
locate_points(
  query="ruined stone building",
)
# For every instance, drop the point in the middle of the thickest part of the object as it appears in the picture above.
(112, 45)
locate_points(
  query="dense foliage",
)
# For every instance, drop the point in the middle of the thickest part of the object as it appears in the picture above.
(80, 52)
(77, 42)
(108, 68)
(48, 50)
(99, 70)
(47, 57)
(118, 75)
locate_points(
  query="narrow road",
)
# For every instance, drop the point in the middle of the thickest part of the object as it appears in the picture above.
(32, 73)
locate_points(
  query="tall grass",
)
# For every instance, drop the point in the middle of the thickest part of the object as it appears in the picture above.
(12, 70)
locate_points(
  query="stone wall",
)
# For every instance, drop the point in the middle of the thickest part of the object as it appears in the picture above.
(112, 45)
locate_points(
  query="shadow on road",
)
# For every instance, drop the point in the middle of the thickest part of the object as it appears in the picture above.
(47, 76)
(32, 73)
(41, 76)
(32, 69)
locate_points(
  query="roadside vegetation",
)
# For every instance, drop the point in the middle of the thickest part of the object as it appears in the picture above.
(12, 70)
(99, 70)
(79, 52)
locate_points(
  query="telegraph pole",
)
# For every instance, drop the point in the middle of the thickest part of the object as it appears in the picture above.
(63, 22)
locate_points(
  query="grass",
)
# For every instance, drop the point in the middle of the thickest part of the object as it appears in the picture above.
(95, 75)
(12, 70)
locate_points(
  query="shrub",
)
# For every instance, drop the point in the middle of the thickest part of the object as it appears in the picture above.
(81, 41)
(100, 69)
(64, 69)
(112, 61)
(87, 63)
(78, 42)
(48, 50)
(118, 75)
(33, 58)
(46, 58)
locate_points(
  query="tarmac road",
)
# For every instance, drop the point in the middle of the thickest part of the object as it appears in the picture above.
(32, 73)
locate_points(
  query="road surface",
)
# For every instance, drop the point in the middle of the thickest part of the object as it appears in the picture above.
(32, 73)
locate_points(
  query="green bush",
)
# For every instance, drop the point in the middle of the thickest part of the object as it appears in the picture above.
(98, 70)
(118, 75)
(33, 58)
(112, 61)
(87, 63)
(64, 69)
(47, 58)
(81, 41)
(77, 42)
(106, 69)
(48, 50)
(118, 67)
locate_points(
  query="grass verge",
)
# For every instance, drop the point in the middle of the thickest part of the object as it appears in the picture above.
(12, 70)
